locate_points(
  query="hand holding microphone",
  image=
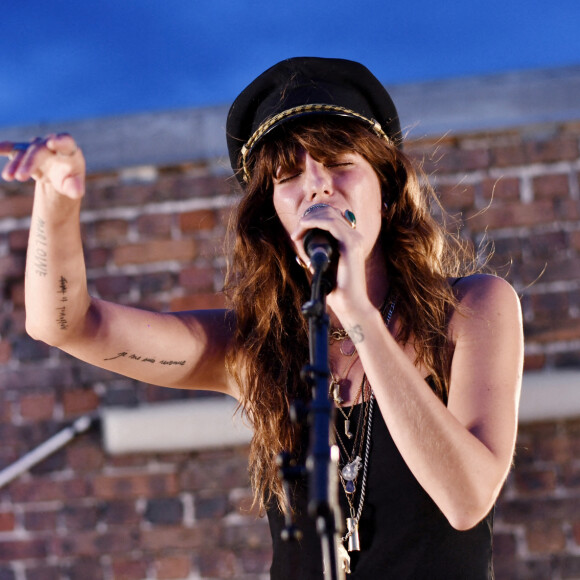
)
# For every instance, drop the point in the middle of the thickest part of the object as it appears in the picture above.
(322, 249)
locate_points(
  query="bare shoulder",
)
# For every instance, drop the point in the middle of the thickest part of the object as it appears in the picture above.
(484, 298)
(482, 286)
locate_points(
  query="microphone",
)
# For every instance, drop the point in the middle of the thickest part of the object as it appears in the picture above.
(320, 245)
(322, 249)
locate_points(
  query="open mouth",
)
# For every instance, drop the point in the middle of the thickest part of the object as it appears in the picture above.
(314, 208)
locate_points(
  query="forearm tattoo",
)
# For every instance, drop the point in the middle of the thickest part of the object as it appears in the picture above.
(62, 290)
(146, 359)
(39, 253)
(356, 334)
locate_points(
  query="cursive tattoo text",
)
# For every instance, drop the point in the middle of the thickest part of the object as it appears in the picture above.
(146, 359)
(62, 290)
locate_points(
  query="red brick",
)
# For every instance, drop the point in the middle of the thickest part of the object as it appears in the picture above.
(567, 209)
(78, 517)
(534, 362)
(198, 301)
(133, 486)
(17, 294)
(18, 240)
(218, 564)
(575, 240)
(79, 401)
(173, 567)
(40, 521)
(155, 251)
(546, 537)
(84, 457)
(43, 572)
(211, 505)
(94, 543)
(201, 536)
(41, 489)
(111, 231)
(110, 287)
(197, 220)
(197, 279)
(16, 207)
(511, 215)
(543, 331)
(120, 512)
(126, 569)
(97, 257)
(5, 351)
(254, 534)
(37, 406)
(503, 189)
(560, 148)
(511, 155)
(154, 226)
(550, 305)
(84, 568)
(557, 268)
(12, 266)
(210, 248)
(530, 481)
(456, 196)
(22, 550)
(217, 471)
(555, 185)
(7, 521)
(255, 560)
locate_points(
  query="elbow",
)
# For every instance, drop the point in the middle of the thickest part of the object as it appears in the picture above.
(467, 519)
(465, 513)
(36, 332)
(59, 336)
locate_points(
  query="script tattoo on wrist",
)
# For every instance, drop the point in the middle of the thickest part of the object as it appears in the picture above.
(356, 334)
(62, 290)
(146, 359)
(39, 253)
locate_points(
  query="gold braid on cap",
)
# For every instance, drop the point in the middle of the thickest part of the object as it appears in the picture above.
(303, 109)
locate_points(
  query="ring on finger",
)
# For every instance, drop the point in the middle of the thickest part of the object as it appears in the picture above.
(17, 147)
(350, 218)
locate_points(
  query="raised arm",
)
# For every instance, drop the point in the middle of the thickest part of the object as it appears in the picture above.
(460, 453)
(184, 350)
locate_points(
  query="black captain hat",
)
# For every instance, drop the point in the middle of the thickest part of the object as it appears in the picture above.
(307, 86)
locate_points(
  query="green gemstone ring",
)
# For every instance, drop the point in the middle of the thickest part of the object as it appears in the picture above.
(350, 218)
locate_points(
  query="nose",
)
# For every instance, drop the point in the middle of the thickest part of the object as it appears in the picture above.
(317, 179)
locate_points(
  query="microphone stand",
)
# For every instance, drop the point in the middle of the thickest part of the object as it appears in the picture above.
(323, 458)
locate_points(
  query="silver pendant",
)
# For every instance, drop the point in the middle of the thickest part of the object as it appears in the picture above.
(335, 391)
(353, 539)
(347, 428)
(349, 473)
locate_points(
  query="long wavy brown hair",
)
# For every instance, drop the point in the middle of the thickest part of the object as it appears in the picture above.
(267, 288)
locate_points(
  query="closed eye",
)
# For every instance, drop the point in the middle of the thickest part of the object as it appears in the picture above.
(342, 164)
(287, 177)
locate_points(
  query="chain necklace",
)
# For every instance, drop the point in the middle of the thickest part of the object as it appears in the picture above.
(349, 472)
(341, 335)
(334, 392)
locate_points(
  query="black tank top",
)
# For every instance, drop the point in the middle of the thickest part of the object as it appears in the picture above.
(403, 534)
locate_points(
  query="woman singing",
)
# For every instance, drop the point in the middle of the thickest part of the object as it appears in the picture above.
(425, 352)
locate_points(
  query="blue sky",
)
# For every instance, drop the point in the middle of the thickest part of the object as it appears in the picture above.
(79, 59)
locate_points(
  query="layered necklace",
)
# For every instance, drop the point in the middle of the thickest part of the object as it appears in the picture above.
(357, 459)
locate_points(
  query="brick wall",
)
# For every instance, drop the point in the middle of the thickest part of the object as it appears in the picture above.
(153, 238)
